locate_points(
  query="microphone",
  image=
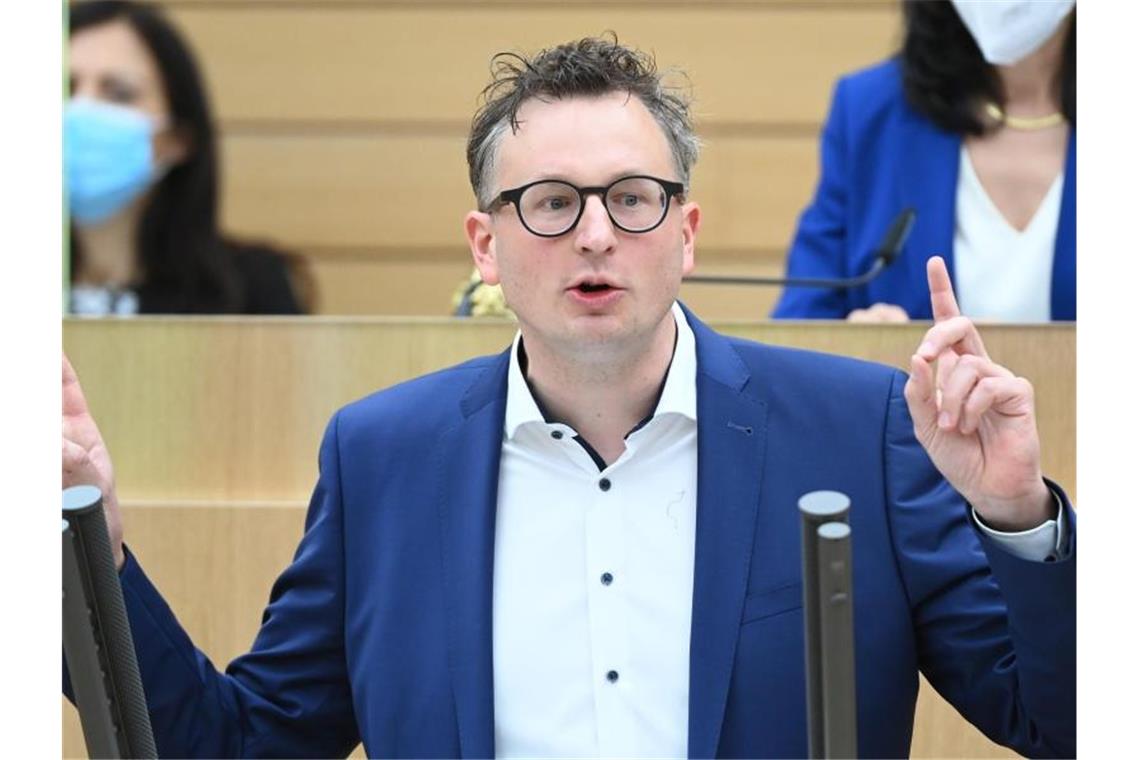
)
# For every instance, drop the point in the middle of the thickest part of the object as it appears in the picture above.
(888, 250)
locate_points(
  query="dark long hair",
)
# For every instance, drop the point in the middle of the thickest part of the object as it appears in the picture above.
(186, 265)
(945, 75)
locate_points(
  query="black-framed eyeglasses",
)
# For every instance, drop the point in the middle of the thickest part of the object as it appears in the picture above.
(551, 207)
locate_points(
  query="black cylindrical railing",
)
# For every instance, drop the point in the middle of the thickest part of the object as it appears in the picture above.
(97, 637)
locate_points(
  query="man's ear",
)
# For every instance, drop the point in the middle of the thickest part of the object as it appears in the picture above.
(481, 240)
(690, 223)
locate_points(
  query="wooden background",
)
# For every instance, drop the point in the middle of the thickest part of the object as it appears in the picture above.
(214, 424)
(343, 125)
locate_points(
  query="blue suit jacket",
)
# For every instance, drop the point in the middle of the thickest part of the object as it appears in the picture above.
(380, 629)
(879, 156)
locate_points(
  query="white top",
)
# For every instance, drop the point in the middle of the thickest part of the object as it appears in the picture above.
(592, 594)
(584, 667)
(95, 301)
(1001, 273)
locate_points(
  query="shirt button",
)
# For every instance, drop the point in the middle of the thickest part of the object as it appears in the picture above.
(556, 435)
(604, 484)
(607, 579)
(612, 676)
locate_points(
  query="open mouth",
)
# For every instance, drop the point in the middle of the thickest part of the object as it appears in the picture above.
(591, 287)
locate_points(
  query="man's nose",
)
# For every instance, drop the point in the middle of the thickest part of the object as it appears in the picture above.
(595, 232)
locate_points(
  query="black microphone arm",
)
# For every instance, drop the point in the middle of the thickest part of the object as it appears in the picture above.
(888, 250)
(465, 302)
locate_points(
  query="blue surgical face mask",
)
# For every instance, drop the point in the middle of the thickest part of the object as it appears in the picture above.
(108, 160)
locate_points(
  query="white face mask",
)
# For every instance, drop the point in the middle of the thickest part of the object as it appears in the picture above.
(1009, 30)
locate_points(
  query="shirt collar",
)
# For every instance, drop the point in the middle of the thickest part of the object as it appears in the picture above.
(678, 396)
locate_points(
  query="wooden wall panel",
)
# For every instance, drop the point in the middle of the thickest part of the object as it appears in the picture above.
(422, 281)
(352, 191)
(392, 282)
(402, 62)
(230, 409)
(407, 191)
(356, 206)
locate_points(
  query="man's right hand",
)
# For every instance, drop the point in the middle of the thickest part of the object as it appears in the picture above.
(86, 460)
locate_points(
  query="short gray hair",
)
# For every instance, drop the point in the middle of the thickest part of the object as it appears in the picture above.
(589, 67)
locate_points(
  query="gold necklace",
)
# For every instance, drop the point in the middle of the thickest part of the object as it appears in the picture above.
(1031, 124)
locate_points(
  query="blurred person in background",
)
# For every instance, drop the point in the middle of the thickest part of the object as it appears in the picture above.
(141, 179)
(475, 298)
(972, 124)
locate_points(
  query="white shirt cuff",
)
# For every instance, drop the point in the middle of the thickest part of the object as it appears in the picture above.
(1041, 544)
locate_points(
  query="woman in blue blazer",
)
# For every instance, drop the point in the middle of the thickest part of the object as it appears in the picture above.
(961, 93)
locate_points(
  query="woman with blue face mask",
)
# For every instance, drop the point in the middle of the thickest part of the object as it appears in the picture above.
(973, 125)
(141, 180)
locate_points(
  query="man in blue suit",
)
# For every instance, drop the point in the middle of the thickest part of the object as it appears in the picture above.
(588, 545)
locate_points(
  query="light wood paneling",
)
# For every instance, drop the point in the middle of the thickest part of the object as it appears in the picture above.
(406, 283)
(347, 190)
(356, 205)
(231, 409)
(306, 63)
(414, 282)
(734, 302)
(399, 191)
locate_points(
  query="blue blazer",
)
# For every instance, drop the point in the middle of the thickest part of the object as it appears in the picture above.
(879, 156)
(380, 629)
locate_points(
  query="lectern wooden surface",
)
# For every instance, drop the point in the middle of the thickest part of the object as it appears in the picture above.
(214, 424)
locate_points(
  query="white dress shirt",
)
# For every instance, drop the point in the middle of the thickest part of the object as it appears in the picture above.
(593, 588)
(593, 577)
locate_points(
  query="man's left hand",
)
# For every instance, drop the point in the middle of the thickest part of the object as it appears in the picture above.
(975, 418)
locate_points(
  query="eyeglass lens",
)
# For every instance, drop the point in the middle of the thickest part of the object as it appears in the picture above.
(634, 204)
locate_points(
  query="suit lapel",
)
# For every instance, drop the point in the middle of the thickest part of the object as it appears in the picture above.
(1064, 290)
(468, 475)
(732, 420)
(732, 434)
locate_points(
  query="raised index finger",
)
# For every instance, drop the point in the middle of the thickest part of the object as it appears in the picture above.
(942, 300)
(957, 334)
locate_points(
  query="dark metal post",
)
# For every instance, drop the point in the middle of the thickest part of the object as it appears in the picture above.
(97, 637)
(837, 641)
(83, 666)
(816, 508)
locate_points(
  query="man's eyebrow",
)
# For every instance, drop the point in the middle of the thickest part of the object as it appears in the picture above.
(557, 176)
(629, 173)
